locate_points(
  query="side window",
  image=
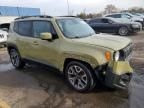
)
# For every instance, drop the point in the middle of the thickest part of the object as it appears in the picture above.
(105, 21)
(16, 27)
(126, 16)
(41, 27)
(95, 21)
(115, 16)
(98, 20)
(25, 28)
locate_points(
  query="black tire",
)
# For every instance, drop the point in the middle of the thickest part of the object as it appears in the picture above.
(123, 31)
(16, 59)
(5, 45)
(84, 76)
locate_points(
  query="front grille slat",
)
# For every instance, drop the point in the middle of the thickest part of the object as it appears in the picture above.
(126, 52)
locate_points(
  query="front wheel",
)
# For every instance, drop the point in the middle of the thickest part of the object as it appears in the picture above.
(123, 31)
(16, 59)
(79, 76)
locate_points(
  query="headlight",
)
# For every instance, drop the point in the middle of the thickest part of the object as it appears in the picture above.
(116, 56)
(135, 26)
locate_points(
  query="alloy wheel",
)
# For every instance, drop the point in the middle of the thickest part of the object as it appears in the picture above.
(77, 77)
(14, 57)
(123, 31)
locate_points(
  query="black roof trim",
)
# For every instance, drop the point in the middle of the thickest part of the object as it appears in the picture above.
(39, 16)
(66, 16)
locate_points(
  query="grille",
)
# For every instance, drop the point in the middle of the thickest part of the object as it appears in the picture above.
(126, 52)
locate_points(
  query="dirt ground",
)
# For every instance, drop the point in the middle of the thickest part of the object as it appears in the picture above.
(42, 87)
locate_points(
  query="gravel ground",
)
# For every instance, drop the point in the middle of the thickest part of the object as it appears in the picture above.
(41, 87)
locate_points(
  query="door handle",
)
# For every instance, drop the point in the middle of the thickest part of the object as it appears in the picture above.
(35, 43)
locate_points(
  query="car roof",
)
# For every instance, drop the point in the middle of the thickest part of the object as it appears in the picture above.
(118, 13)
(113, 14)
(103, 18)
(42, 17)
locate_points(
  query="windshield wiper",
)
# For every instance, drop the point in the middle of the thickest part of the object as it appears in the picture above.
(76, 37)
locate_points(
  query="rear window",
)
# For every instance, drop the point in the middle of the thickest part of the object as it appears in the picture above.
(23, 28)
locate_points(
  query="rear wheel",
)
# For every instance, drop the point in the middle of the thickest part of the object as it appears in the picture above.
(16, 59)
(123, 31)
(79, 76)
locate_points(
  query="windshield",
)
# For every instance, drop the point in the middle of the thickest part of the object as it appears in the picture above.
(75, 28)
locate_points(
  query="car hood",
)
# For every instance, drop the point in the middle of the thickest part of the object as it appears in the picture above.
(105, 40)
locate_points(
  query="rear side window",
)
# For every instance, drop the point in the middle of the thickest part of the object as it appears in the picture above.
(23, 28)
(16, 27)
(105, 21)
(115, 16)
(96, 21)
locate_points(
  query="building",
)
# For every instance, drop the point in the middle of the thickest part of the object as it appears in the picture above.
(8, 14)
(18, 11)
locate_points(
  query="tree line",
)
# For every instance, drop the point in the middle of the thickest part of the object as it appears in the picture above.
(108, 10)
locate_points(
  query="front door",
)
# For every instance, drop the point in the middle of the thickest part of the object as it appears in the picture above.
(45, 51)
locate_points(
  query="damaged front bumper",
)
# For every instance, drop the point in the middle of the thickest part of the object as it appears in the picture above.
(115, 74)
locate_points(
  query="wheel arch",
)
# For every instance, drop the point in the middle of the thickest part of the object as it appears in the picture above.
(11, 46)
(88, 64)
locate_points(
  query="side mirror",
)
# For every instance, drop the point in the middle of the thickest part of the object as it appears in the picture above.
(46, 36)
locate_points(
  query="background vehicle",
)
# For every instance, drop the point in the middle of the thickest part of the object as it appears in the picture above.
(110, 25)
(3, 37)
(71, 45)
(126, 17)
(138, 15)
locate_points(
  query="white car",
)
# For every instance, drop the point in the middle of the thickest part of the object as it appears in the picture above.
(139, 15)
(3, 37)
(126, 17)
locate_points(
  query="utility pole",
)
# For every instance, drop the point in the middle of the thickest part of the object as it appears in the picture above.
(68, 7)
(18, 11)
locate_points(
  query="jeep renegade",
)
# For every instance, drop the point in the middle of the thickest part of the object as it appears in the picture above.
(71, 45)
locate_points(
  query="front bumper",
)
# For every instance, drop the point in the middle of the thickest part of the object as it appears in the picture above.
(138, 29)
(115, 75)
(113, 80)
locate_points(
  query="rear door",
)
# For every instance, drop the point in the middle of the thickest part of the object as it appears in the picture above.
(110, 26)
(24, 38)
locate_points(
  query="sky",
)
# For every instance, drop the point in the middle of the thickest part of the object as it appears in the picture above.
(59, 7)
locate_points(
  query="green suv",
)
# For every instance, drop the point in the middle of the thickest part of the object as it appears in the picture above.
(70, 45)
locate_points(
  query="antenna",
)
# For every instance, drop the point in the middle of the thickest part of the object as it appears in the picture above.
(18, 11)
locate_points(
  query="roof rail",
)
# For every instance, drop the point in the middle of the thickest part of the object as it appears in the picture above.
(67, 16)
(39, 16)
